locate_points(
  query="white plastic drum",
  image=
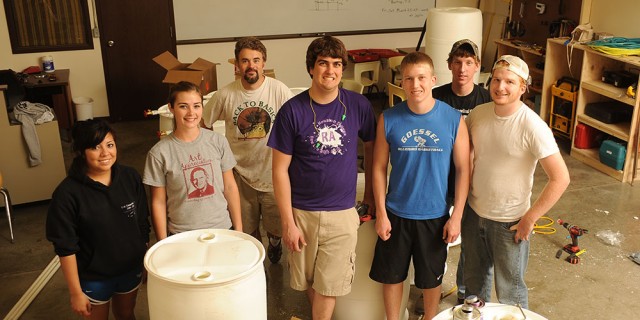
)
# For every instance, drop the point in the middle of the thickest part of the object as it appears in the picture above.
(445, 26)
(365, 300)
(207, 274)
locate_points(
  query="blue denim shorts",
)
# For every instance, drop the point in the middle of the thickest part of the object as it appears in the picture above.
(101, 291)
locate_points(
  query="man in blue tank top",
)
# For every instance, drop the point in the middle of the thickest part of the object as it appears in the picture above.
(419, 137)
(464, 95)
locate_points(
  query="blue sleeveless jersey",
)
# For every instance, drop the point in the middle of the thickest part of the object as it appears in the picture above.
(421, 148)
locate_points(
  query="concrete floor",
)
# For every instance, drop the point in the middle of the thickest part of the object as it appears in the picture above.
(605, 285)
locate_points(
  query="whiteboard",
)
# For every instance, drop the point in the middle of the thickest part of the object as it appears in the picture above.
(225, 20)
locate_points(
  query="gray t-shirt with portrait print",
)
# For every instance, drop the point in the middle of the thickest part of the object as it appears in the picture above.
(191, 172)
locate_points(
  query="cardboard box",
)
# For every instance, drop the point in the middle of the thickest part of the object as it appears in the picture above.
(201, 71)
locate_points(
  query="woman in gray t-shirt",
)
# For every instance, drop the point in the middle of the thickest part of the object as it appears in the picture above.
(189, 172)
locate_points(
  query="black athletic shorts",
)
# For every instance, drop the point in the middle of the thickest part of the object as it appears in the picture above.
(420, 239)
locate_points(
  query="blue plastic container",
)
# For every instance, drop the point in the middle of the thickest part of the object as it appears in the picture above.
(612, 154)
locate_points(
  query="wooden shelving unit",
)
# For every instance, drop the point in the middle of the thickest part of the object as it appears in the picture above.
(556, 66)
(588, 66)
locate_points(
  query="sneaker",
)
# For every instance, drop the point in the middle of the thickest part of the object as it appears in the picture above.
(274, 252)
(419, 306)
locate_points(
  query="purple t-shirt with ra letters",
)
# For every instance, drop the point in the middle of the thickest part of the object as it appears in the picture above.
(324, 148)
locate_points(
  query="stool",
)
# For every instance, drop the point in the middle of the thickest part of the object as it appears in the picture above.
(7, 208)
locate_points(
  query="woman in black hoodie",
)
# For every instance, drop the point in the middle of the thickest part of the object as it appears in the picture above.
(98, 224)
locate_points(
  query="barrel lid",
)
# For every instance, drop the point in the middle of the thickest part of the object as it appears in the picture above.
(203, 257)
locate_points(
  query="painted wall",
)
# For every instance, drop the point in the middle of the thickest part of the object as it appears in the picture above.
(494, 16)
(617, 17)
(285, 56)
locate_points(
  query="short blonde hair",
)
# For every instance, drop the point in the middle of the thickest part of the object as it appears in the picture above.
(417, 57)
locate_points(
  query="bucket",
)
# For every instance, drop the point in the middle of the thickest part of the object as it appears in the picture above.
(365, 301)
(84, 108)
(207, 274)
(445, 26)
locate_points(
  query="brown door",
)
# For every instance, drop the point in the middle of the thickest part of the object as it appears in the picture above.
(131, 34)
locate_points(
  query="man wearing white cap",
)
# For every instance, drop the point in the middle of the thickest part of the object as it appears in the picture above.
(508, 139)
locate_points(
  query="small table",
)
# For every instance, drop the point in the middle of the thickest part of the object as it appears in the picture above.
(56, 94)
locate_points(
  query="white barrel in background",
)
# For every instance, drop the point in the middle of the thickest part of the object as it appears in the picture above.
(445, 26)
(365, 301)
(207, 274)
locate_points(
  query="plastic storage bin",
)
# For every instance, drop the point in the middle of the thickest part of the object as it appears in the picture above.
(612, 154)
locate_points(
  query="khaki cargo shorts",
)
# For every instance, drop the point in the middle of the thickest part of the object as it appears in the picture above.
(327, 262)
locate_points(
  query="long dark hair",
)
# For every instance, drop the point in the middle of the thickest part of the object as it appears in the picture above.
(87, 135)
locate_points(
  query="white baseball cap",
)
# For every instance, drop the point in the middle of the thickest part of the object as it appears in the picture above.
(515, 65)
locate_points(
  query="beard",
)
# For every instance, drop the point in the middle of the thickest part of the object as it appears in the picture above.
(249, 79)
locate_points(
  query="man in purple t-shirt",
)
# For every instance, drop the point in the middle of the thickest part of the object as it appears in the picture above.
(315, 143)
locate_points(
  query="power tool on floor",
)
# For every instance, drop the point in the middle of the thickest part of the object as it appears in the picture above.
(363, 209)
(572, 249)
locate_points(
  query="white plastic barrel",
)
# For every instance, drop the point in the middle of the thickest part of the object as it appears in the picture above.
(365, 300)
(207, 274)
(445, 26)
(84, 108)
